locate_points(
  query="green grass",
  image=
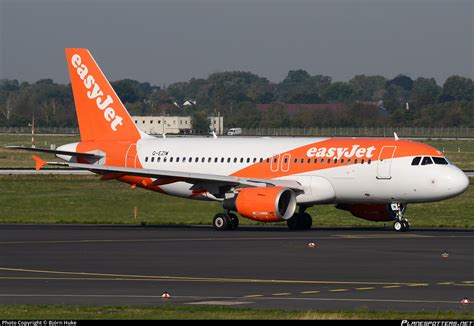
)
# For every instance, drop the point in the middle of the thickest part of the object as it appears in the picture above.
(44, 312)
(85, 199)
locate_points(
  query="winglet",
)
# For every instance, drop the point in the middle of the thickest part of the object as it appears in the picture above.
(395, 136)
(39, 162)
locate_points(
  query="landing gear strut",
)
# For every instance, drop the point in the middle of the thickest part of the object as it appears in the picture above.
(300, 220)
(401, 224)
(225, 221)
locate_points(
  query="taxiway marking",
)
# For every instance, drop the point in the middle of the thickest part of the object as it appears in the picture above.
(200, 279)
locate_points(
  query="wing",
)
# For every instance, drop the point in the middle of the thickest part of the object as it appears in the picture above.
(190, 177)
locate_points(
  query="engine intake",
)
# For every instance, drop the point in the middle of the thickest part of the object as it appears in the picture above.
(269, 204)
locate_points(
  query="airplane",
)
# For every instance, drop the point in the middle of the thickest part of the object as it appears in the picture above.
(261, 178)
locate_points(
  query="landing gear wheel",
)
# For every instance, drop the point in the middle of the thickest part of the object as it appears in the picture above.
(406, 225)
(300, 222)
(292, 222)
(222, 222)
(307, 221)
(401, 226)
(398, 226)
(234, 221)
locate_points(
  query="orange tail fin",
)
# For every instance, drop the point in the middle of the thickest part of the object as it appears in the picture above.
(100, 113)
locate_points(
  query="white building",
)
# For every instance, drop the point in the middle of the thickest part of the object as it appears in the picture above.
(157, 125)
(216, 124)
(163, 125)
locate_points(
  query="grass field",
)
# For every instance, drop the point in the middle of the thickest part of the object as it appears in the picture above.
(460, 152)
(85, 199)
(38, 312)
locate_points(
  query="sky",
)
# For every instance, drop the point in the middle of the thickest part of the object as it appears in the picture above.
(162, 42)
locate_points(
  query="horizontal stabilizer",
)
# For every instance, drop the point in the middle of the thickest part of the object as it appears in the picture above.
(54, 151)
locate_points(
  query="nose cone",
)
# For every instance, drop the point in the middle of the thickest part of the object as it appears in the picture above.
(458, 182)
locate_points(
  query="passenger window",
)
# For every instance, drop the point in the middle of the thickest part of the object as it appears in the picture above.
(184, 159)
(228, 160)
(335, 160)
(369, 161)
(267, 160)
(261, 160)
(426, 160)
(215, 159)
(171, 159)
(416, 160)
(285, 160)
(440, 160)
(196, 159)
(235, 159)
(362, 161)
(315, 161)
(242, 160)
(254, 159)
(322, 161)
(203, 160)
(158, 159)
(329, 160)
(355, 161)
(164, 159)
(342, 161)
(209, 159)
(152, 158)
(222, 160)
(309, 160)
(177, 160)
(248, 160)
(302, 160)
(296, 160)
(146, 159)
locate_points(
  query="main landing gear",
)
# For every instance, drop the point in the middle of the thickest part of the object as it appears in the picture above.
(401, 224)
(225, 221)
(300, 220)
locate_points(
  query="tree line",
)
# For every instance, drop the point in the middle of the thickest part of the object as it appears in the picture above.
(367, 101)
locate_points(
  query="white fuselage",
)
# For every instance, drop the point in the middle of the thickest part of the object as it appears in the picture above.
(381, 181)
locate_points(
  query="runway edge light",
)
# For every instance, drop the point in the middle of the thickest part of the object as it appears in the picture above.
(465, 301)
(165, 295)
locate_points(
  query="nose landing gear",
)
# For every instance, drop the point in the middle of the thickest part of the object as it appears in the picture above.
(401, 224)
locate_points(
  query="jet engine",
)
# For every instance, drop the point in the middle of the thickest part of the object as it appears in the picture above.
(370, 212)
(269, 204)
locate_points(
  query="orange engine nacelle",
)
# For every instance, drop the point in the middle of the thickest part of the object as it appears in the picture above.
(269, 204)
(370, 212)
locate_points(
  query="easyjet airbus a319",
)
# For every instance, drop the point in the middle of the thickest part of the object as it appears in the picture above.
(263, 179)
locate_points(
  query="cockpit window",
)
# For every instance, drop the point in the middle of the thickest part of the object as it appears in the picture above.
(416, 160)
(440, 160)
(426, 160)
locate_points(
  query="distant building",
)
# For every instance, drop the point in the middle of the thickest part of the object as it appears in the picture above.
(158, 125)
(216, 124)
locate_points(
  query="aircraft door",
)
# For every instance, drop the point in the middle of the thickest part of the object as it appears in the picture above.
(385, 162)
(131, 156)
